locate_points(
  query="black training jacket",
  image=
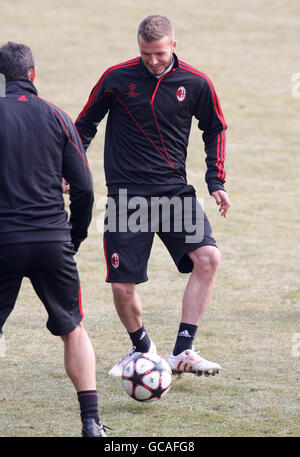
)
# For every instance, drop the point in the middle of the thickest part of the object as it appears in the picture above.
(38, 146)
(149, 123)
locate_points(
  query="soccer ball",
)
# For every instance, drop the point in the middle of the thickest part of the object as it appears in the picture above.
(146, 377)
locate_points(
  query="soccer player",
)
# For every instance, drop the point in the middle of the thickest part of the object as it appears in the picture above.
(39, 145)
(150, 101)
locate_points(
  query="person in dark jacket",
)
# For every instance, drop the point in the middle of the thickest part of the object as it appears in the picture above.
(151, 101)
(39, 145)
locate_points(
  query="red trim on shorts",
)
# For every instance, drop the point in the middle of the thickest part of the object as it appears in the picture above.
(105, 253)
(80, 302)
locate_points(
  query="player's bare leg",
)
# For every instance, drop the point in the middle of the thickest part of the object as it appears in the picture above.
(129, 308)
(195, 300)
(80, 365)
(200, 285)
(128, 305)
(80, 362)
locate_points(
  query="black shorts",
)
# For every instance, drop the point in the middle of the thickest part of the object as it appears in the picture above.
(131, 222)
(53, 273)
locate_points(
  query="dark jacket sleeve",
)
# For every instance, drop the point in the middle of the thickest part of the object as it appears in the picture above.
(94, 111)
(77, 173)
(212, 123)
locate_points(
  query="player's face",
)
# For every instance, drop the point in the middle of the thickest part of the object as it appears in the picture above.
(157, 55)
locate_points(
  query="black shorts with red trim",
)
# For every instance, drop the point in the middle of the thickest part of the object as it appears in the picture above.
(52, 270)
(132, 221)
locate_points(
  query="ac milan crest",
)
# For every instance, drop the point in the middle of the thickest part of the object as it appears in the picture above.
(181, 93)
(115, 260)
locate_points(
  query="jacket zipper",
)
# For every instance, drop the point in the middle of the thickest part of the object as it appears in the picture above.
(166, 156)
(158, 83)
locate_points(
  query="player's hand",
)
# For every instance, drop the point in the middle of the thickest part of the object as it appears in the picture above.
(222, 201)
(65, 187)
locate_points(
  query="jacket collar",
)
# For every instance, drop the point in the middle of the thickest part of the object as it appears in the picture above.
(147, 73)
(20, 85)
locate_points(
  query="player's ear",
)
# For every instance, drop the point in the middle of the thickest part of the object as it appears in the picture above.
(174, 44)
(31, 74)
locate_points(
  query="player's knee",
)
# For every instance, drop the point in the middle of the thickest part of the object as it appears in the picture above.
(208, 261)
(79, 328)
(123, 291)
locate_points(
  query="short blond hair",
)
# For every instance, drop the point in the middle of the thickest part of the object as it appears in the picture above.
(156, 26)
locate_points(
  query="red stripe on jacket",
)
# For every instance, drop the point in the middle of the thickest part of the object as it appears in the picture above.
(126, 64)
(221, 137)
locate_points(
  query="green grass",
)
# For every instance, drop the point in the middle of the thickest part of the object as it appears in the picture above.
(250, 51)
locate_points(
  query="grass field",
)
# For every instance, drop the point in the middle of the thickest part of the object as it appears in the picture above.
(250, 50)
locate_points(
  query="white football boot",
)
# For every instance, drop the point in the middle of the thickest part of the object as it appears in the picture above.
(117, 369)
(189, 361)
